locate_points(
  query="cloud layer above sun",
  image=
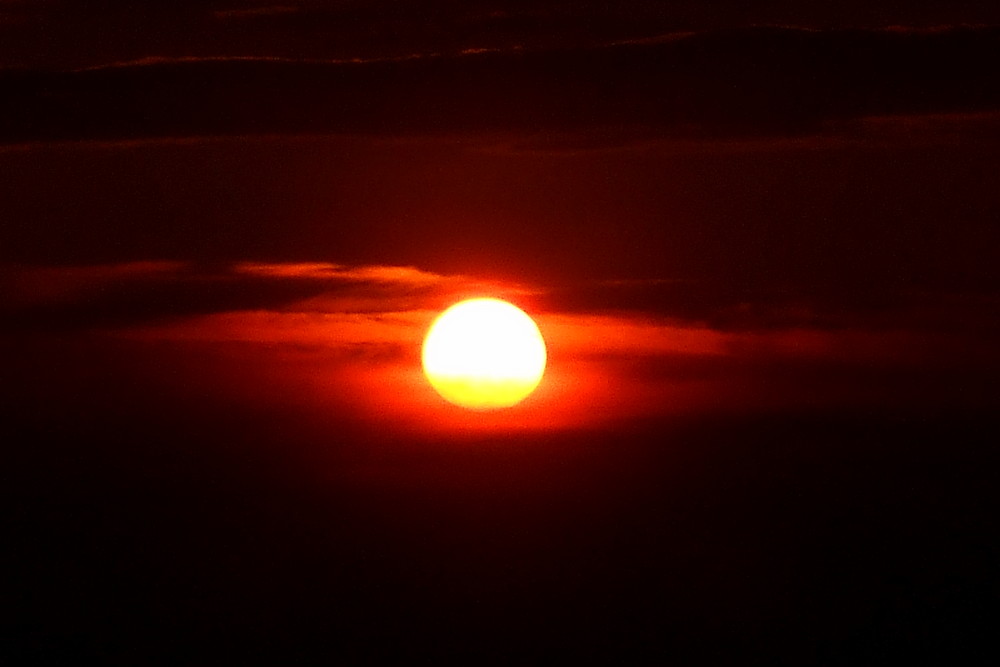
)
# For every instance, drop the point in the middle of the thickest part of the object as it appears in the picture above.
(707, 85)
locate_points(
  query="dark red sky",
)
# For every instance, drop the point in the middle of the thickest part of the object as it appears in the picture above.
(759, 238)
(53, 33)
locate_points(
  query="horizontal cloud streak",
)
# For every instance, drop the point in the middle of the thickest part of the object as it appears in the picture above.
(403, 275)
(744, 83)
(81, 297)
(134, 293)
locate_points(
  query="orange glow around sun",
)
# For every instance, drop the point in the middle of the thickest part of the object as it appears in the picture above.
(484, 354)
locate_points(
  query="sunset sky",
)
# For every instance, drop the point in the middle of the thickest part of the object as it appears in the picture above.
(759, 239)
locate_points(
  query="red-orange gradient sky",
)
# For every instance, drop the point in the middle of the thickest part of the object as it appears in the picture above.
(760, 240)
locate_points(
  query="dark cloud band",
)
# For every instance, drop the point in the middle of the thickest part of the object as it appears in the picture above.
(742, 83)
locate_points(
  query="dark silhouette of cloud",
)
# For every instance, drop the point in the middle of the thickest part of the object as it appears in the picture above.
(740, 83)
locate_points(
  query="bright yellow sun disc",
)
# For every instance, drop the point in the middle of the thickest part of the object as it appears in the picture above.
(484, 354)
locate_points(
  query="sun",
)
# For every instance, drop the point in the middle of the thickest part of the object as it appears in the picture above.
(484, 354)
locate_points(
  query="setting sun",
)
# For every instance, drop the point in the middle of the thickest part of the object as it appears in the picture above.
(484, 354)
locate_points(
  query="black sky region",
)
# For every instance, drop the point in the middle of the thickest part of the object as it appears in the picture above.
(771, 173)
